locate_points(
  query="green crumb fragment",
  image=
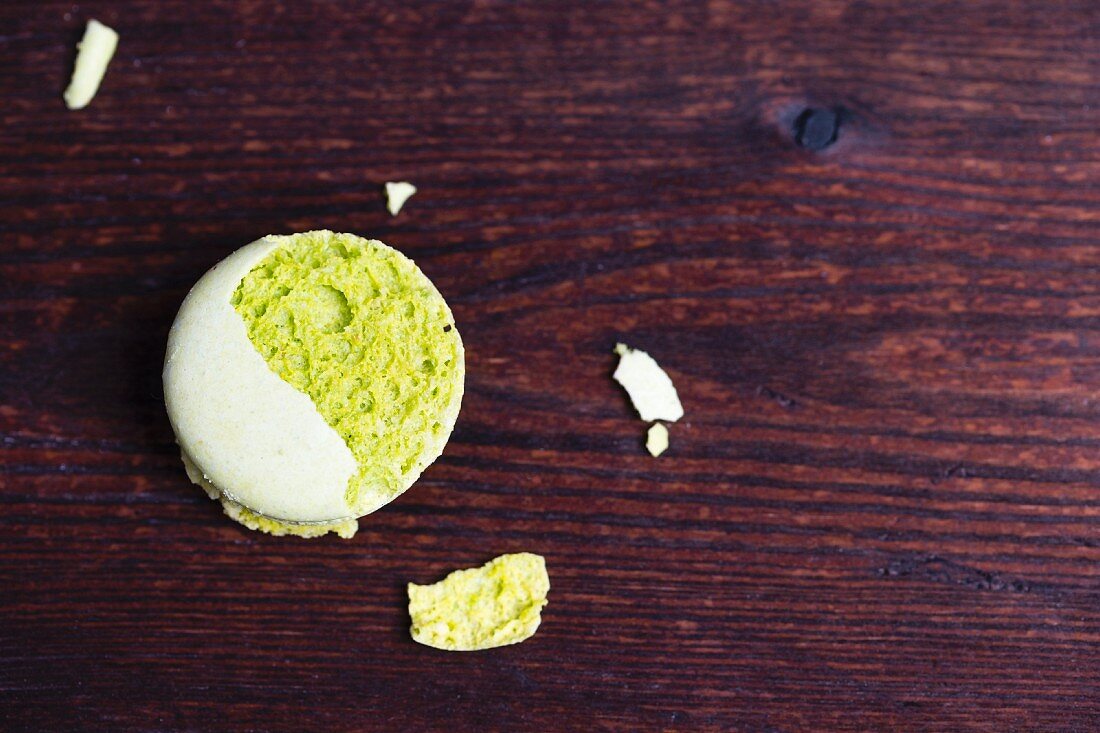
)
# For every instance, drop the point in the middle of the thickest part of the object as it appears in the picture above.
(497, 604)
(358, 328)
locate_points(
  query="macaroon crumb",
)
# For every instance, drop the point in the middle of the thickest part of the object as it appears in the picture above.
(480, 608)
(657, 439)
(648, 385)
(397, 193)
(94, 52)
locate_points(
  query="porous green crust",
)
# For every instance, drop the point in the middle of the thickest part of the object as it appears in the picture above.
(480, 608)
(361, 330)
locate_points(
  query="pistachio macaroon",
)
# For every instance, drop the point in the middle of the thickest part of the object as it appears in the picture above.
(310, 379)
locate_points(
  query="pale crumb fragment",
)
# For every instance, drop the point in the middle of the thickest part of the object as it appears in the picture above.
(497, 604)
(657, 439)
(94, 52)
(648, 386)
(397, 193)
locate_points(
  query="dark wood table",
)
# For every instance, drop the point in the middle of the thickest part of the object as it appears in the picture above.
(861, 236)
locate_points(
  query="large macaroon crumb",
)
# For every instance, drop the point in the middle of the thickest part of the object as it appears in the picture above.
(497, 604)
(647, 384)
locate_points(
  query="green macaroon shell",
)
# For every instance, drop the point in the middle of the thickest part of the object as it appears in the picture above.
(357, 327)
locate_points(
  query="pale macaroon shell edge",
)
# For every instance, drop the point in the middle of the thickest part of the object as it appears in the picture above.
(251, 434)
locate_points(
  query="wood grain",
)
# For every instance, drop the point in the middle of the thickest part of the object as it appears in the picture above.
(881, 511)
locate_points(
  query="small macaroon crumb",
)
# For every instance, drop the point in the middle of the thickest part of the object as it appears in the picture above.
(650, 389)
(656, 439)
(498, 604)
(397, 193)
(94, 52)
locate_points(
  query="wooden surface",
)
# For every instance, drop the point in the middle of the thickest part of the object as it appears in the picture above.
(881, 511)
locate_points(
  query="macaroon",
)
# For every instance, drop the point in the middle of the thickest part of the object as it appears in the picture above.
(310, 379)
